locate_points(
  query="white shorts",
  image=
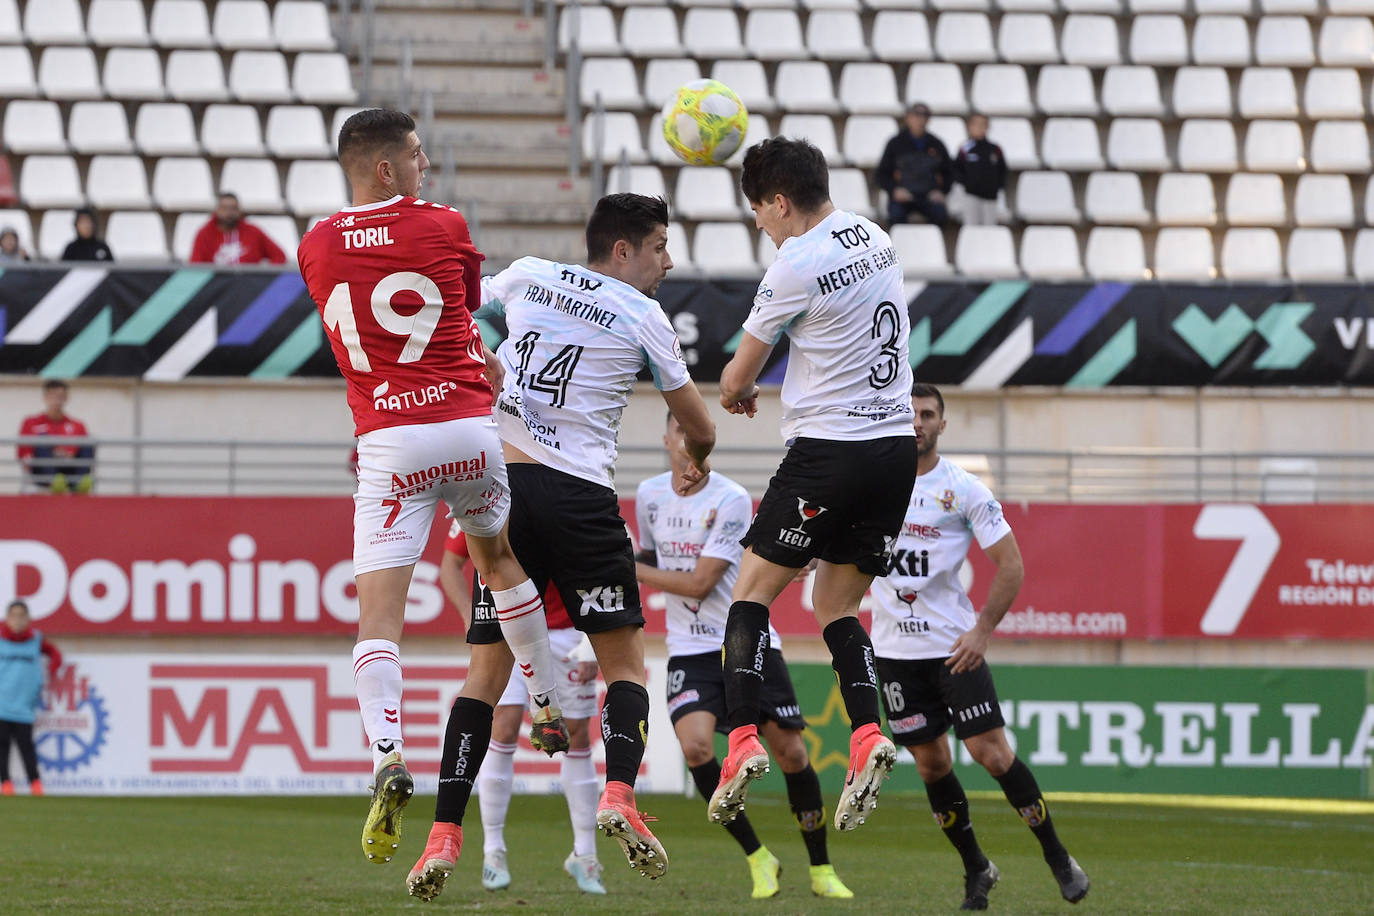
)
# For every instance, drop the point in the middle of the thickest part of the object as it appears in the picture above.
(403, 472)
(575, 699)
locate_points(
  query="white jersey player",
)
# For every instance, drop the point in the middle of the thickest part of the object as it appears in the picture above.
(931, 647)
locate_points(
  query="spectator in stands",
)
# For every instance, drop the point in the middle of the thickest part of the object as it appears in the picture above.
(21, 688)
(58, 468)
(229, 239)
(87, 246)
(982, 169)
(915, 171)
(10, 252)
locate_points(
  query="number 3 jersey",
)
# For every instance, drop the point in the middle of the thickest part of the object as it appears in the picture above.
(920, 608)
(396, 283)
(577, 340)
(683, 530)
(836, 292)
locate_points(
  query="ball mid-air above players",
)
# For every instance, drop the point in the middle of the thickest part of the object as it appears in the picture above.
(704, 122)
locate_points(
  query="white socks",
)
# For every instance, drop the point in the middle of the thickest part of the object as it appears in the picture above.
(521, 614)
(494, 784)
(581, 786)
(377, 676)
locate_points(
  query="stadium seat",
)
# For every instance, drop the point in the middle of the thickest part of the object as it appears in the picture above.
(1324, 201)
(282, 230)
(117, 22)
(1363, 255)
(180, 24)
(259, 76)
(1050, 253)
(819, 129)
(231, 130)
(1157, 6)
(1046, 197)
(1347, 41)
(1201, 92)
(952, 132)
(165, 129)
(240, 24)
(650, 32)
(183, 183)
(636, 179)
(712, 34)
(679, 250)
(1317, 255)
(595, 30)
(184, 233)
(1284, 41)
(941, 86)
(869, 89)
(258, 186)
(1222, 41)
(849, 190)
(1274, 146)
(921, 251)
(1251, 254)
(805, 85)
(19, 221)
(1345, 7)
(302, 25)
(1132, 91)
(724, 249)
(901, 35)
(985, 252)
(1268, 92)
(1027, 38)
(297, 132)
(1304, 7)
(1066, 90)
(1159, 40)
(964, 38)
(323, 79)
(837, 35)
(33, 126)
(341, 115)
(132, 73)
(1022, 6)
(1369, 203)
(1255, 200)
(614, 79)
(10, 32)
(1223, 7)
(137, 236)
(767, 252)
(864, 138)
(196, 76)
(707, 193)
(621, 136)
(98, 127)
(1183, 199)
(662, 78)
(16, 73)
(1111, 7)
(1071, 144)
(1115, 198)
(1090, 40)
(69, 73)
(1016, 138)
(1115, 253)
(983, 6)
(53, 22)
(55, 231)
(1340, 146)
(1207, 145)
(1332, 93)
(748, 80)
(774, 35)
(1184, 254)
(117, 183)
(1001, 89)
(657, 148)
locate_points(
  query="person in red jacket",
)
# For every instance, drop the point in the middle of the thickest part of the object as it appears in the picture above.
(59, 468)
(229, 239)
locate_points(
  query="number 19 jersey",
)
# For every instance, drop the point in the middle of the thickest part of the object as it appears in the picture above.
(836, 292)
(396, 283)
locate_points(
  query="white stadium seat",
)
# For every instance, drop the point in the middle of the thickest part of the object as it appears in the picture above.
(1090, 40)
(19, 221)
(196, 76)
(901, 35)
(1369, 203)
(620, 136)
(1207, 145)
(55, 231)
(180, 24)
(941, 86)
(707, 193)
(748, 80)
(952, 132)
(133, 73)
(313, 188)
(658, 149)
(864, 138)
(10, 32)
(99, 127)
(1344, 7)
(1184, 199)
(663, 78)
(774, 35)
(1347, 41)
(982, 6)
(117, 22)
(184, 233)
(1071, 144)
(1223, 7)
(985, 252)
(53, 22)
(259, 76)
(323, 79)
(242, 24)
(1046, 197)
(1222, 41)
(1137, 144)
(1016, 138)
(637, 179)
(258, 187)
(1340, 146)
(1027, 38)
(1256, 200)
(1110, 7)
(805, 85)
(1317, 255)
(302, 25)
(33, 126)
(1268, 92)
(1332, 93)
(282, 230)
(231, 130)
(297, 132)
(595, 30)
(1066, 90)
(1132, 91)
(650, 32)
(16, 73)
(1021, 6)
(679, 250)
(1184, 254)
(837, 35)
(165, 129)
(1201, 92)
(1363, 255)
(1115, 198)
(1324, 201)
(767, 251)
(1284, 41)
(921, 250)
(724, 248)
(849, 190)
(137, 236)
(183, 183)
(964, 37)
(69, 73)
(1251, 254)
(118, 182)
(1274, 146)
(1159, 40)
(613, 78)
(819, 129)
(1304, 7)
(1115, 253)
(1001, 89)
(1050, 253)
(867, 88)
(341, 116)
(712, 33)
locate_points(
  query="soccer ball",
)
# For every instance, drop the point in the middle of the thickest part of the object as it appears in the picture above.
(704, 122)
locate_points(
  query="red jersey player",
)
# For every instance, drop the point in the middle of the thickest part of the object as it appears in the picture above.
(59, 468)
(396, 279)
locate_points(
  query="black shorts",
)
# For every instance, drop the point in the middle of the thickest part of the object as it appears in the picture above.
(697, 682)
(843, 502)
(922, 699)
(567, 531)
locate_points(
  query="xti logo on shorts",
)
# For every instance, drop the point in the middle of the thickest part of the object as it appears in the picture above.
(603, 599)
(797, 537)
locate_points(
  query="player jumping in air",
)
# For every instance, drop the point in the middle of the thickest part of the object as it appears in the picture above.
(689, 535)
(835, 290)
(930, 653)
(578, 338)
(576, 697)
(396, 279)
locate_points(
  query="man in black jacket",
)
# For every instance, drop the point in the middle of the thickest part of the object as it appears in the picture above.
(981, 168)
(87, 246)
(915, 171)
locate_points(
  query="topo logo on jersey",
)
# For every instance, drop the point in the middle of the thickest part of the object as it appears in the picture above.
(798, 537)
(948, 501)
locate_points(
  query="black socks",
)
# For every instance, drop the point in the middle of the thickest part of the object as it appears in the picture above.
(624, 730)
(465, 747)
(746, 647)
(1021, 789)
(804, 794)
(707, 777)
(851, 652)
(949, 804)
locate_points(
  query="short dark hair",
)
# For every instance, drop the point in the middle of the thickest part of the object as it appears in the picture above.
(16, 603)
(632, 217)
(372, 131)
(52, 383)
(925, 390)
(83, 211)
(794, 168)
(229, 195)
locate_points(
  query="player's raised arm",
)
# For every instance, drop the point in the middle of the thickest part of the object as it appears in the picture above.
(698, 429)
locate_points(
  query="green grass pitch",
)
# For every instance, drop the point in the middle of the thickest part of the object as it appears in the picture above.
(301, 855)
